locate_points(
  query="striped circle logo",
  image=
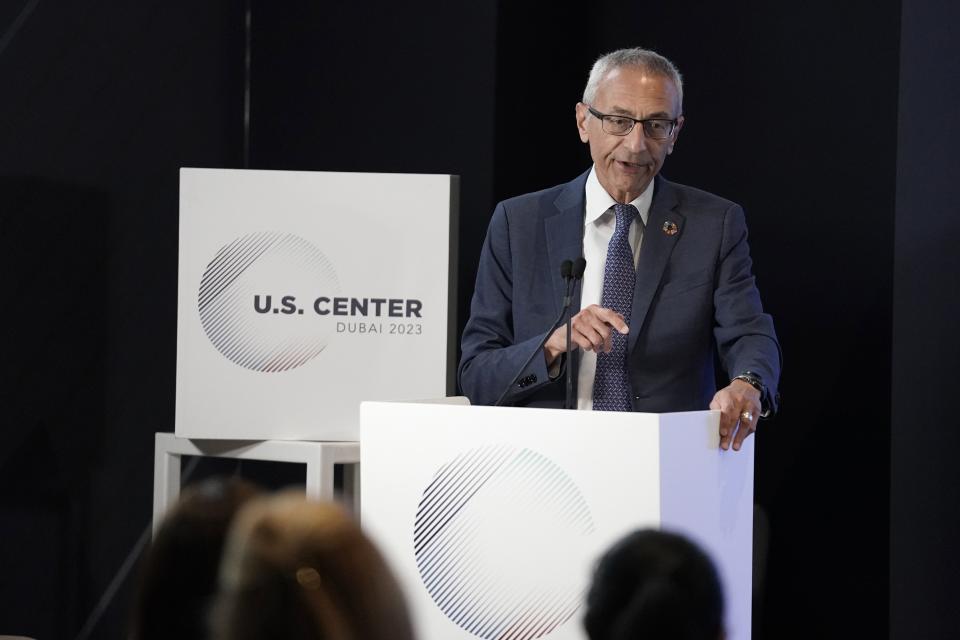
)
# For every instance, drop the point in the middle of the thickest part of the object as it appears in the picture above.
(248, 273)
(496, 540)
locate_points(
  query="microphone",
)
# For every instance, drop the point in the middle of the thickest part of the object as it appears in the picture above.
(576, 272)
(567, 268)
(579, 266)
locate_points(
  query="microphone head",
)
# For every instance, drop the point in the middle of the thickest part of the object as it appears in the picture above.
(566, 267)
(578, 267)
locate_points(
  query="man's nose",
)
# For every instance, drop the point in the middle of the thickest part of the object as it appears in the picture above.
(635, 140)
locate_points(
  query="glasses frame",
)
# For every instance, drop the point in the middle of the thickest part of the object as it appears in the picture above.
(643, 123)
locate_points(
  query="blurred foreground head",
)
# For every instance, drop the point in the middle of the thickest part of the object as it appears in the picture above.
(653, 584)
(179, 572)
(295, 569)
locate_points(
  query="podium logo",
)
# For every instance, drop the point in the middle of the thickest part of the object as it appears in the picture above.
(496, 540)
(232, 309)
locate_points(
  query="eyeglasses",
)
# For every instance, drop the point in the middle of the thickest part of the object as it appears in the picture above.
(653, 128)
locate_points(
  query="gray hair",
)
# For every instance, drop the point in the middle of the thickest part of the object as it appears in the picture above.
(645, 59)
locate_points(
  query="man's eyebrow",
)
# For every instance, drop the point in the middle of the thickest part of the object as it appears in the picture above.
(620, 111)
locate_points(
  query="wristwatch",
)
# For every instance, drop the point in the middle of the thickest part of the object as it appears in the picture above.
(757, 383)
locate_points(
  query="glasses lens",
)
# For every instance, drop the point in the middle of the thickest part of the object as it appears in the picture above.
(657, 129)
(617, 126)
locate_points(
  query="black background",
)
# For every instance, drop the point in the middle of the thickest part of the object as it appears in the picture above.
(832, 123)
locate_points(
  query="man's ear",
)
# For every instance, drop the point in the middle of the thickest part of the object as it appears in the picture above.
(582, 115)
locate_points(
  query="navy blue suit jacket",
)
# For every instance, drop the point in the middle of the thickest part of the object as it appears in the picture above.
(695, 299)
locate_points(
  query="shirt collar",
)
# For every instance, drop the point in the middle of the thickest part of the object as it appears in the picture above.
(598, 201)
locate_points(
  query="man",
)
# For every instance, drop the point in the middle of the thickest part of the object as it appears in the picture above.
(668, 283)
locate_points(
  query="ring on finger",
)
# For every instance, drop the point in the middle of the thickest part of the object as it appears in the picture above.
(747, 416)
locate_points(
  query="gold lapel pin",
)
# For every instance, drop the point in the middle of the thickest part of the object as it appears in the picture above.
(670, 228)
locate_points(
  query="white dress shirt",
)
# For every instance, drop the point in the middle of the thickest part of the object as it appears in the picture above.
(599, 224)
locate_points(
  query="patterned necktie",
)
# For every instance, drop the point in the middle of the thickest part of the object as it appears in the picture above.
(611, 384)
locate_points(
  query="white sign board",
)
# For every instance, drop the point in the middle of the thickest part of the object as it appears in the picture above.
(493, 517)
(303, 293)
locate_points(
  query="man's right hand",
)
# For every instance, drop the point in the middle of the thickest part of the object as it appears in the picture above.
(591, 329)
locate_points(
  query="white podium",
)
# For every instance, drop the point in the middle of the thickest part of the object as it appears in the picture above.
(493, 518)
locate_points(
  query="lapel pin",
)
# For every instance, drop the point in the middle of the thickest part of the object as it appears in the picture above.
(670, 228)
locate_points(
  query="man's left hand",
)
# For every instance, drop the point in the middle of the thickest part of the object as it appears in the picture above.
(739, 406)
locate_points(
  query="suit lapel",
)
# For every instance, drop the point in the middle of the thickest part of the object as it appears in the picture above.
(664, 228)
(564, 235)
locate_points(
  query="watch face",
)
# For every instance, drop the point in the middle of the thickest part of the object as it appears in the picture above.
(752, 380)
(755, 382)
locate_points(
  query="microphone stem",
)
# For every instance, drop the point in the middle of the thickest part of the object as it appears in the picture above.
(568, 401)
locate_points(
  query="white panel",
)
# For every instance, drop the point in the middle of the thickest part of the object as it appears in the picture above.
(707, 495)
(249, 370)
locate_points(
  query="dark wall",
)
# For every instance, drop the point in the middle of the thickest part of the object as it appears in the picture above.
(101, 103)
(925, 511)
(791, 111)
(381, 87)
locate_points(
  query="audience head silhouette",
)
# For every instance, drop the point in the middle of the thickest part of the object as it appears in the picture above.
(179, 572)
(657, 585)
(295, 569)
